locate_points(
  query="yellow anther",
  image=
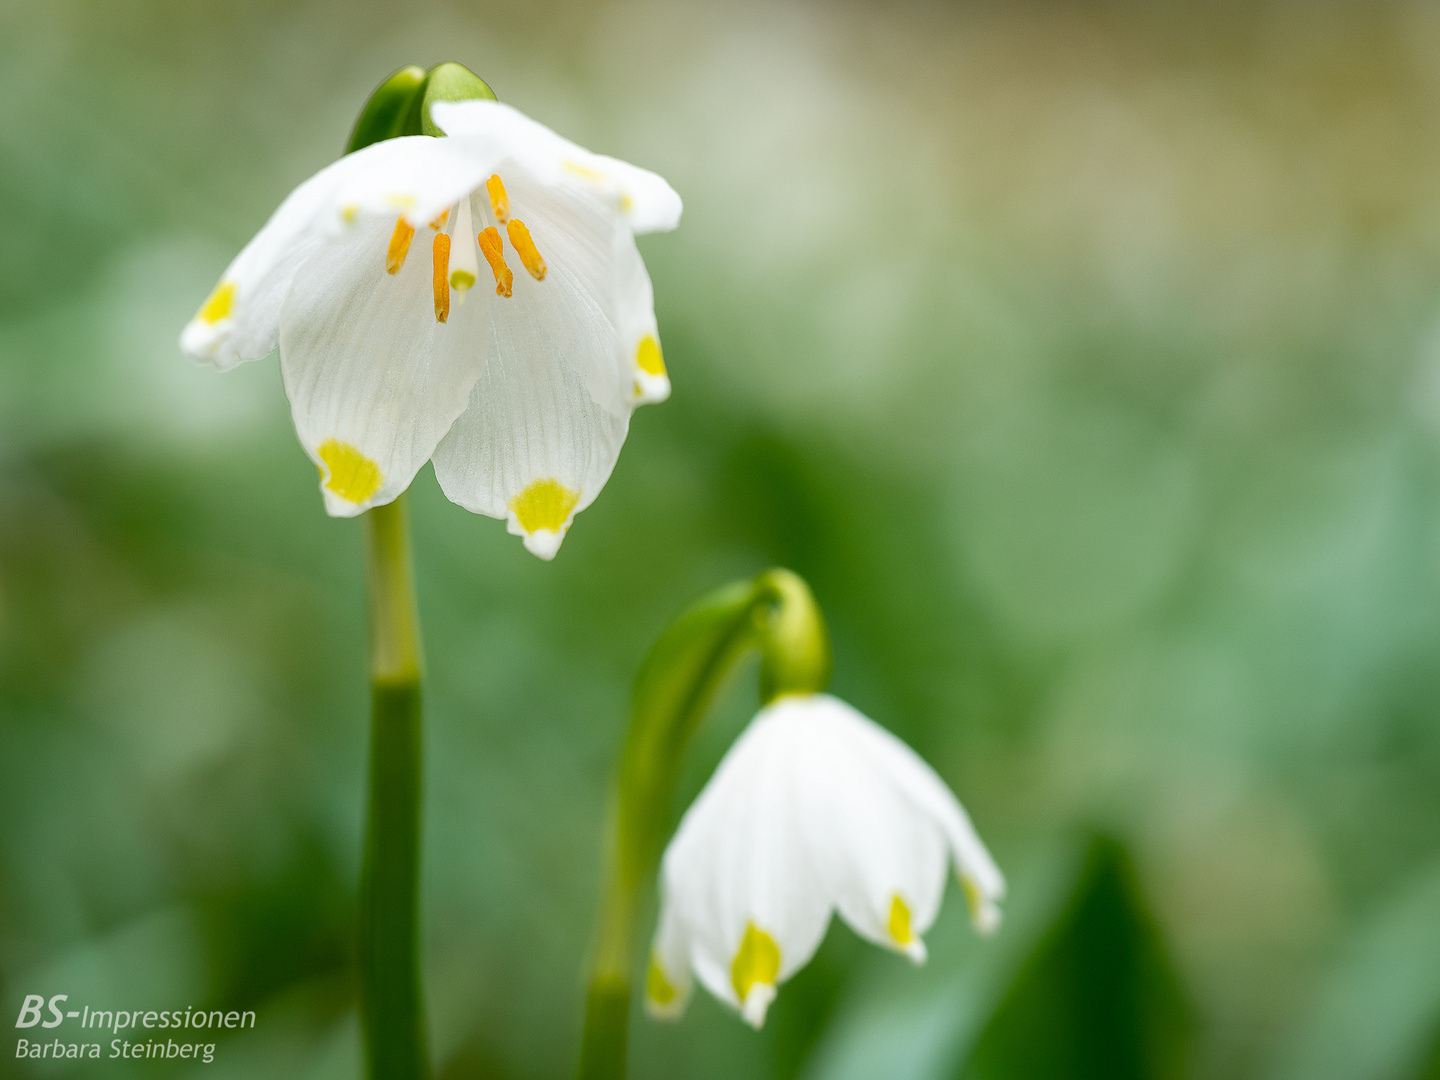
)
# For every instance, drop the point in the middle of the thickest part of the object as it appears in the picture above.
(544, 505)
(399, 246)
(219, 304)
(441, 251)
(648, 357)
(353, 476)
(900, 931)
(757, 962)
(492, 249)
(657, 986)
(499, 200)
(525, 248)
(439, 222)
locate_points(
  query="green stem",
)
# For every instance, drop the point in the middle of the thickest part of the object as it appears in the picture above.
(681, 676)
(391, 1007)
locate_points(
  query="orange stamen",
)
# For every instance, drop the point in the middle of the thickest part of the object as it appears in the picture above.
(439, 222)
(525, 248)
(499, 201)
(399, 246)
(442, 276)
(490, 247)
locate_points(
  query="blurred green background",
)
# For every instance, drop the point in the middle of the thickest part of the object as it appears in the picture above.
(1084, 356)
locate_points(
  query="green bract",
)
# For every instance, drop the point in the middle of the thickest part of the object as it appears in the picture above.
(794, 645)
(450, 82)
(387, 113)
(401, 104)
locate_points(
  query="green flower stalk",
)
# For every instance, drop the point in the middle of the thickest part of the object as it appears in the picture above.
(391, 1002)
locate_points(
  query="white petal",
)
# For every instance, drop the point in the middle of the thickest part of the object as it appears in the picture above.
(882, 859)
(417, 176)
(507, 125)
(552, 407)
(643, 198)
(241, 320)
(374, 380)
(738, 861)
(667, 983)
(639, 335)
(983, 882)
(648, 202)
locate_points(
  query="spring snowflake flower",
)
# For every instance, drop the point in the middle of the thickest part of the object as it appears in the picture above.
(814, 809)
(521, 395)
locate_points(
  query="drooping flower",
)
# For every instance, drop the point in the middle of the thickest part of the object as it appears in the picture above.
(815, 809)
(369, 279)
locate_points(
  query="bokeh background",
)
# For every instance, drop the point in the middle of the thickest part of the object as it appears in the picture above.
(1085, 357)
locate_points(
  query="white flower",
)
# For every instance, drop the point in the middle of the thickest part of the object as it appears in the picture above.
(814, 809)
(521, 394)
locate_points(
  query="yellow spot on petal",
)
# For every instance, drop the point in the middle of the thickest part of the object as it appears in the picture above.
(494, 252)
(499, 200)
(756, 963)
(595, 176)
(657, 986)
(403, 202)
(219, 304)
(545, 504)
(900, 931)
(353, 476)
(984, 913)
(349, 213)
(441, 254)
(626, 203)
(399, 246)
(648, 357)
(525, 248)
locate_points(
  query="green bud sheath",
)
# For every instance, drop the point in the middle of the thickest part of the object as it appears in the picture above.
(450, 82)
(794, 644)
(387, 114)
(401, 104)
(684, 672)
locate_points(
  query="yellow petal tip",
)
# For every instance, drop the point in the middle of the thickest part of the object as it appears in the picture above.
(218, 305)
(353, 476)
(648, 357)
(663, 1000)
(902, 934)
(542, 513)
(753, 973)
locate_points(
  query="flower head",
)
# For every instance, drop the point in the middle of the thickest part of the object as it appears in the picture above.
(476, 300)
(815, 809)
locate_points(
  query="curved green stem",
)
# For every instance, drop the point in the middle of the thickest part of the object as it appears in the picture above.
(677, 683)
(391, 1007)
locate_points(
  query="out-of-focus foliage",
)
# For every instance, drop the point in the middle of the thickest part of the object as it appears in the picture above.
(1378, 1015)
(1097, 998)
(1080, 985)
(1085, 358)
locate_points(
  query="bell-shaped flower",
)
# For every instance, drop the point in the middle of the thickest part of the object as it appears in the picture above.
(815, 809)
(475, 299)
